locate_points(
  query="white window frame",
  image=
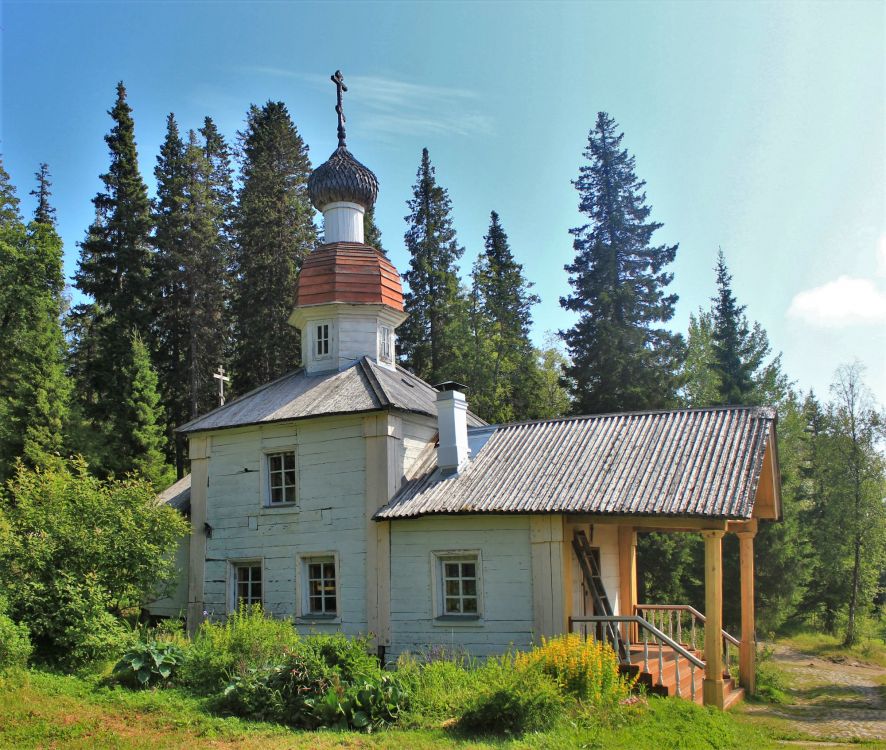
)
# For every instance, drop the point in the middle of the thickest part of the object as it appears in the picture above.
(267, 454)
(234, 566)
(304, 562)
(439, 558)
(315, 339)
(385, 343)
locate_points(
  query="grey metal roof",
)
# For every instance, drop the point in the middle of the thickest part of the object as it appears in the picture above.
(178, 495)
(364, 386)
(695, 462)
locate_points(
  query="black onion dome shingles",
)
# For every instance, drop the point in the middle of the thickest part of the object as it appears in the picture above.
(342, 178)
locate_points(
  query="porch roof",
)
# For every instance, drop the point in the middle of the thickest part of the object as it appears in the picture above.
(702, 463)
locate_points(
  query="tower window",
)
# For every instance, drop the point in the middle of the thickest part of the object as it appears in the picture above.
(321, 340)
(384, 344)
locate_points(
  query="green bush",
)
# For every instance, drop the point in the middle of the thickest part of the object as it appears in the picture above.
(247, 641)
(326, 682)
(350, 657)
(771, 681)
(438, 690)
(77, 552)
(512, 702)
(15, 643)
(148, 663)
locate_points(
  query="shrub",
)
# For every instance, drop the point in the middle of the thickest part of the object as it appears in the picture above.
(308, 690)
(284, 693)
(438, 690)
(584, 668)
(15, 643)
(148, 663)
(771, 681)
(349, 656)
(77, 552)
(247, 641)
(512, 701)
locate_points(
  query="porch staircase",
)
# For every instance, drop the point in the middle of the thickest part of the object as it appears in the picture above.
(663, 680)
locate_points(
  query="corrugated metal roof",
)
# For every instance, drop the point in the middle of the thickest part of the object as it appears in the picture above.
(694, 462)
(364, 386)
(178, 495)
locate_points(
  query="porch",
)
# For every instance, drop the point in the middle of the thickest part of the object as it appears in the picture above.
(675, 650)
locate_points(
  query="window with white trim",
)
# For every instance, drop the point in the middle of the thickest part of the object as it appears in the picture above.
(459, 584)
(384, 343)
(247, 583)
(320, 587)
(282, 477)
(322, 339)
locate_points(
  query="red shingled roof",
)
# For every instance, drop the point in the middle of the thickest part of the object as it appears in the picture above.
(349, 272)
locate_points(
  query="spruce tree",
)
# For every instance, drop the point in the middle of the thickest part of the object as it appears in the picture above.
(139, 430)
(115, 256)
(35, 389)
(274, 232)
(505, 375)
(371, 232)
(44, 213)
(115, 271)
(434, 335)
(621, 356)
(730, 332)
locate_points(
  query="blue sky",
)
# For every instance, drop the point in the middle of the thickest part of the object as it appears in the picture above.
(758, 127)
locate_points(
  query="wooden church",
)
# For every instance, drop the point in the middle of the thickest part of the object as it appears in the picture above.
(351, 495)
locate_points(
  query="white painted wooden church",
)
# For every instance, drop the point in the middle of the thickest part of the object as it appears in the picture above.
(350, 495)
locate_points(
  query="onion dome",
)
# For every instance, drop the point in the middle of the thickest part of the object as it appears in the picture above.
(351, 273)
(342, 178)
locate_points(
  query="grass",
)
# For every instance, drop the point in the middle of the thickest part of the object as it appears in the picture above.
(41, 709)
(869, 649)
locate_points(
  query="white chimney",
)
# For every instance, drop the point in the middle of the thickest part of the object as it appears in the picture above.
(452, 424)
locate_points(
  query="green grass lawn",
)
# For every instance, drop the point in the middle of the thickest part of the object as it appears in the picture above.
(869, 649)
(41, 710)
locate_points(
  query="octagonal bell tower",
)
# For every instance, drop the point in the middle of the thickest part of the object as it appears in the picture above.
(349, 299)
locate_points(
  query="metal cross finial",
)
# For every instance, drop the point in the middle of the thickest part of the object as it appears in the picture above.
(339, 82)
(222, 379)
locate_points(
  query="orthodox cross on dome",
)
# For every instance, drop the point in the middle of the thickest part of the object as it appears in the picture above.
(222, 379)
(339, 81)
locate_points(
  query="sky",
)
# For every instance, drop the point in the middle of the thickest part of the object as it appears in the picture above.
(758, 127)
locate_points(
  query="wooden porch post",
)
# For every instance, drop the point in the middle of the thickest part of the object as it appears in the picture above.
(713, 689)
(627, 569)
(747, 651)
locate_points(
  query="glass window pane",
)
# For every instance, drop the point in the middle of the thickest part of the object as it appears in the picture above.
(469, 587)
(453, 605)
(470, 604)
(451, 570)
(330, 604)
(290, 494)
(452, 588)
(468, 570)
(276, 494)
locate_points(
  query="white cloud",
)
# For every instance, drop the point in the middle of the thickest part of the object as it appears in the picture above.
(396, 107)
(842, 302)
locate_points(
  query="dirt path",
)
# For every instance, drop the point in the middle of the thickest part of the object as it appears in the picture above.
(829, 700)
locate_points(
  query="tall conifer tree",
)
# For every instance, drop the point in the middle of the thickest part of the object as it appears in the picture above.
(34, 387)
(621, 356)
(371, 232)
(274, 232)
(730, 336)
(505, 373)
(115, 271)
(433, 336)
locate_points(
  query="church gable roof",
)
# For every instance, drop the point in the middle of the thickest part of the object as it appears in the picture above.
(696, 462)
(362, 387)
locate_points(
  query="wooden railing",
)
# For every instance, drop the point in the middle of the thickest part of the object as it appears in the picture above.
(601, 627)
(680, 619)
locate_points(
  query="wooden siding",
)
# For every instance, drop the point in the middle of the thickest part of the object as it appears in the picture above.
(176, 604)
(507, 617)
(329, 516)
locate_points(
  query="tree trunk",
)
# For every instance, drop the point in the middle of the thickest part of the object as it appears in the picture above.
(851, 636)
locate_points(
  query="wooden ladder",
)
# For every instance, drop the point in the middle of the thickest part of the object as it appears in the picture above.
(594, 582)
